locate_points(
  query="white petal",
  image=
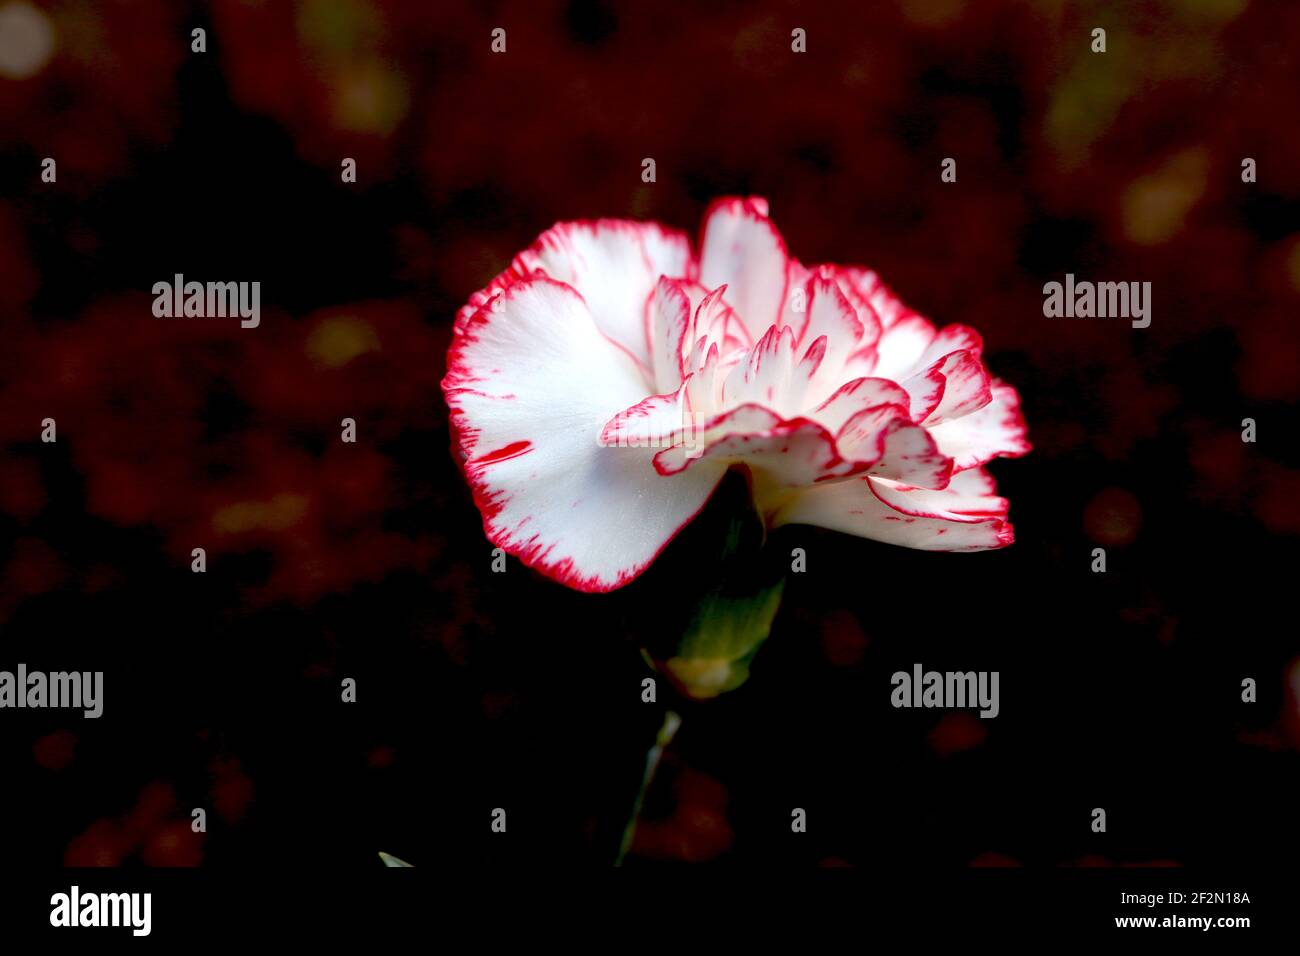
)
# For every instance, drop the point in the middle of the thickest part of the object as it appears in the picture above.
(967, 387)
(889, 308)
(901, 346)
(997, 429)
(955, 385)
(872, 508)
(530, 385)
(872, 327)
(714, 322)
(896, 448)
(614, 264)
(487, 294)
(794, 311)
(855, 396)
(744, 250)
(659, 421)
(747, 420)
(763, 376)
(670, 311)
(831, 314)
(951, 338)
(971, 493)
(925, 390)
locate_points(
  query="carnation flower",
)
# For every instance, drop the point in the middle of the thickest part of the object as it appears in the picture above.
(605, 382)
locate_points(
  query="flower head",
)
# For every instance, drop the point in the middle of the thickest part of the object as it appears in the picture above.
(602, 385)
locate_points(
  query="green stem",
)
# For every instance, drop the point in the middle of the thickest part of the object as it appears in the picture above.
(664, 738)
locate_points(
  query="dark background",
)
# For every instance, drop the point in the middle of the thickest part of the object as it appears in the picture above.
(476, 690)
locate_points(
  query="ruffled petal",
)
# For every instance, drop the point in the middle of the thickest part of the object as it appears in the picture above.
(972, 493)
(967, 387)
(895, 447)
(997, 429)
(715, 323)
(855, 396)
(791, 454)
(948, 520)
(670, 311)
(614, 264)
(901, 346)
(748, 420)
(763, 376)
(742, 249)
(485, 295)
(831, 315)
(951, 338)
(955, 385)
(659, 421)
(865, 283)
(925, 390)
(794, 311)
(531, 382)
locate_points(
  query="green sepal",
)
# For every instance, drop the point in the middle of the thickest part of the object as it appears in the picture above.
(715, 607)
